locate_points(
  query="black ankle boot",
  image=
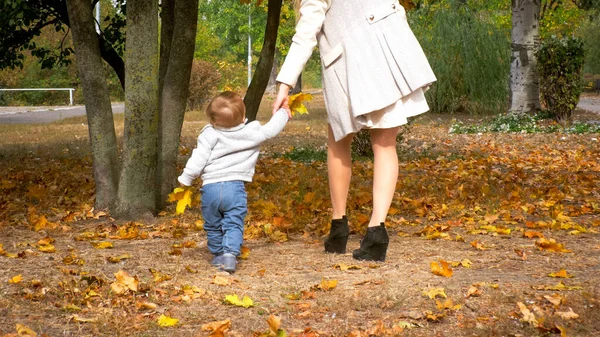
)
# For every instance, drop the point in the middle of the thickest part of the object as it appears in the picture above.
(374, 245)
(338, 236)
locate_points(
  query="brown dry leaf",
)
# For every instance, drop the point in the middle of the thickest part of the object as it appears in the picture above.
(567, 314)
(80, 319)
(521, 254)
(473, 291)
(478, 245)
(217, 328)
(37, 192)
(551, 245)
(274, 324)
(555, 299)
(528, 316)
(464, 262)
(344, 267)
(434, 292)
(221, 281)
(117, 259)
(327, 285)
(124, 282)
(45, 245)
(447, 304)
(561, 274)
(145, 305)
(244, 253)
(159, 277)
(441, 269)
(25, 331)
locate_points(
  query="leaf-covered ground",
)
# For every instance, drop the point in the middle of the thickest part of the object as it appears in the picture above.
(491, 235)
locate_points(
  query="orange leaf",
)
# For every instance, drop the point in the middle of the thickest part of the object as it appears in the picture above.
(441, 269)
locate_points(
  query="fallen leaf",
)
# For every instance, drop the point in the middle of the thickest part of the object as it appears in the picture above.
(221, 281)
(246, 302)
(528, 316)
(327, 285)
(478, 245)
(16, 279)
(80, 319)
(473, 291)
(102, 244)
(117, 259)
(551, 245)
(25, 331)
(434, 292)
(532, 234)
(557, 287)
(441, 269)
(166, 321)
(561, 274)
(567, 314)
(124, 282)
(244, 253)
(344, 267)
(275, 325)
(555, 299)
(145, 305)
(217, 328)
(464, 262)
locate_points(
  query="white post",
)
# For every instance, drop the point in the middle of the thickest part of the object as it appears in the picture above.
(249, 47)
(71, 96)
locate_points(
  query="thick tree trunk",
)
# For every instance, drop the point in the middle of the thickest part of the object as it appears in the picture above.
(524, 82)
(174, 84)
(97, 102)
(265, 62)
(137, 185)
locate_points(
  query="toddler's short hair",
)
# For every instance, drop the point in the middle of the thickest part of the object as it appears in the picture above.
(226, 110)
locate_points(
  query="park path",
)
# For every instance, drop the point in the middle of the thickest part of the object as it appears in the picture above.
(42, 115)
(45, 114)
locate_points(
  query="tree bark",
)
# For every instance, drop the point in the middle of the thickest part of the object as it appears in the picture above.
(265, 62)
(524, 81)
(97, 102)
(174, 84)
(137, 185)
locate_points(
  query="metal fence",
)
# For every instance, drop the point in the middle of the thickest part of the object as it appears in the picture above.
(45, 89)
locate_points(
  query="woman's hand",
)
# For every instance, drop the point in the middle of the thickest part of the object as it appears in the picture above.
(282, 99)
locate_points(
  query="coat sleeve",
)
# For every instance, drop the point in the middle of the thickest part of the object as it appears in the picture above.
(195, 165)
(275, 125)
(312, 16)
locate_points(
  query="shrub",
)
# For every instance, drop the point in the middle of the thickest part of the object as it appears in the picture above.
(203, 80)
(361, 144)
(560, 64)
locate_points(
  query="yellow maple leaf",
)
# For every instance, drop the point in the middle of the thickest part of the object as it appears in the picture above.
(183, 196)
(434, 292)
(296, 103)
(561, 274)
(16, 279)
(24, 331)
(441, 269)
(551, 245)
(166, 321)
(327, 284)
(245, 302)
(102, 245)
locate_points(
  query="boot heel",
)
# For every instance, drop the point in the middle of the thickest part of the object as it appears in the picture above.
(338, 236)
(373, 247)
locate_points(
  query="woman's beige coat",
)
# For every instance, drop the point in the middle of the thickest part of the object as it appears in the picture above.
(370, 57)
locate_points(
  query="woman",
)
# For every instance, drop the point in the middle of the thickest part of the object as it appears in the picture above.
(374, 76)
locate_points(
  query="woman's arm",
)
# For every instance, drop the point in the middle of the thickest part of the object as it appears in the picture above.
(312, 16)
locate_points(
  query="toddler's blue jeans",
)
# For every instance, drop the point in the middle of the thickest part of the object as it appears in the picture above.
(224, 207)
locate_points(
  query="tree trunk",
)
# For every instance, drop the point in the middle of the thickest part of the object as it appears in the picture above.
(174, 84)
(265, 62)
(524, 82)
(137, 185)
(97, 102)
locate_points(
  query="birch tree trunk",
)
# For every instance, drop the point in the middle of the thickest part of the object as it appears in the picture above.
(97, 102)
(136, 195)
(524, 82)
(178, 36)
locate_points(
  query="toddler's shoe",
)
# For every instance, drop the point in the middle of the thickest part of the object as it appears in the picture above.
(217, 261)
(229, 263)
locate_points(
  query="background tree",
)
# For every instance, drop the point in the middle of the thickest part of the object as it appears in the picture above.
(524, 83)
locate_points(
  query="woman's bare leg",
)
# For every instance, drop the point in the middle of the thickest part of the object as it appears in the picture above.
(339, 170)
(385, 172)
